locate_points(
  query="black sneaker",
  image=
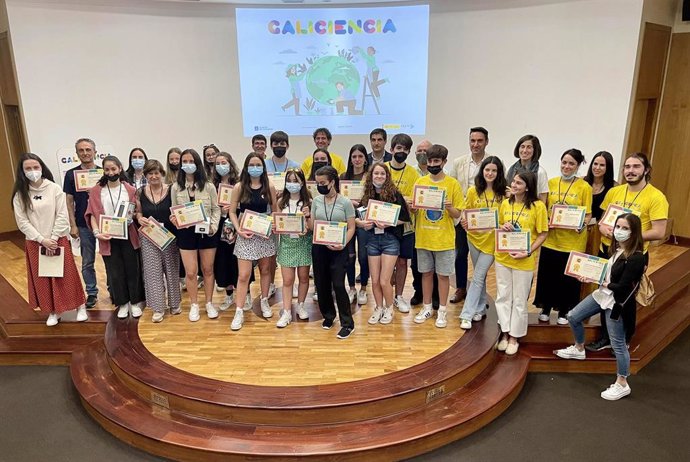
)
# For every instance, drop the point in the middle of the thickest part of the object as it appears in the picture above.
(345, 332)
(327, 324)
(601, 344)
(91, 301)
(416, 299)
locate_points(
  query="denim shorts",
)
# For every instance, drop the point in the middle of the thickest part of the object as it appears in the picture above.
(382, 244)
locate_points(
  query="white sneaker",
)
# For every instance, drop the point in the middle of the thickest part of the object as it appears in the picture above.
(266, 310)
(615, 392)
(402, 305)
(238, 320)
(227, 302)
(295, 291)
(512, 348)
(376, 315)
(123, 311)
(478, 317)
(81, 314)
(387, 316)
(136, 309)
(271, 290)
(219, 289)
(562, 321)
(352, 294)
(285, 319)
(441, 320)
(315, 297)
(362, 297)
(544, 317)
(52, 320)
(571, 352)
(194, 312)
(425, 313)
(302, 312)
(502, 344)
(465, 324)
(211, 311)
(247, 302)
(157, 316)
(199, 282)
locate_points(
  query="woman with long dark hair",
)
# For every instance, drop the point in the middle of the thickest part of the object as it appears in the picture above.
(40, 209)
(209, 153)
(600, 177)
(615, 296)
(321, 158)
(135, 171)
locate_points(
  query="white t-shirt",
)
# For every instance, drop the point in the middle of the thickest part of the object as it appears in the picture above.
(110, 197)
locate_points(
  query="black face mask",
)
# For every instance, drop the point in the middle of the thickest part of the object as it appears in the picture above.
(174, 167)
(112, 177)
(400, 157)
(279, 151)
(318, 165)
(435, 170)
(323, 189)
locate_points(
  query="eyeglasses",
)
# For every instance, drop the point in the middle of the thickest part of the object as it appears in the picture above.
(209, 146)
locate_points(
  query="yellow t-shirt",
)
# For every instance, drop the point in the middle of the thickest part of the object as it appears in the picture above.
(482, 240)
(435, 229)
(404, 179)
(533, 219)
(579, 193)
(336, 162)
(650, 205)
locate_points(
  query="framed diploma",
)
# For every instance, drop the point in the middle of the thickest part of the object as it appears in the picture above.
(611, 214)
(115, 227)
(429, 197)
(289, 223)
(157, 233)
(278, 180)
(567, 216)
(485, 219)
(352, 189)
(87, 179)
(224, 194)
(588, 266)
(313, 190)
(189, 214)
(513, 241)
(329, 232)
(383, 212)
(257, 223)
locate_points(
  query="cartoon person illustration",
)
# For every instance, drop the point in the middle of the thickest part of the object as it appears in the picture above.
(345, 99)
(559, 216)
(372, 69)
(295, 73)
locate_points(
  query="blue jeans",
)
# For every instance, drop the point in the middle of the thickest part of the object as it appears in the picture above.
(475, 302)
(589, 307)
(88, 257)
(362, 236)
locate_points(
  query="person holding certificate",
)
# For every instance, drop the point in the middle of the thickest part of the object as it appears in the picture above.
(615, 296)
(294, 249)
(567, 232)
(357, 167)
(330, 260)
(159, 263)
(383, 242)
(486, 195)
(525, 213)
(197, 242)
(121, 256)
(253, 193)
(40, 210)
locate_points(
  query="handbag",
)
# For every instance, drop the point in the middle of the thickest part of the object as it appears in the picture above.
(645, 294)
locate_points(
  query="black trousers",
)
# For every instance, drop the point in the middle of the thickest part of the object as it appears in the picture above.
(462, 251)
(329, 274)
(123, 267)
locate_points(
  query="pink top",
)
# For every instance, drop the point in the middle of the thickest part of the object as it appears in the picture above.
(95, 209)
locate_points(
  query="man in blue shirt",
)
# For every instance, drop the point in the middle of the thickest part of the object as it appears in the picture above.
(279, 162)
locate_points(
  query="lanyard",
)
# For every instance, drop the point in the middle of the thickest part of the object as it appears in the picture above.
(565, 196)
(275, 168)
(119, 193)
(512, 214)
(487, 200)
(402, 170)
(325, 207)
(625, 198)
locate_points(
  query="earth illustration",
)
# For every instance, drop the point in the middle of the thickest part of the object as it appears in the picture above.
(325, 72)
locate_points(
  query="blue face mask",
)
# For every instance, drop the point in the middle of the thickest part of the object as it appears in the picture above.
(223, 169)
(138, 164)
(189, 168)
(293, 188)
(255, 171)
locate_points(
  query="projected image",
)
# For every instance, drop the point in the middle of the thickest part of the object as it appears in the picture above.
(347, 69)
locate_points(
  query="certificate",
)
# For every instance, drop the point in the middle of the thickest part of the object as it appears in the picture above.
(513, 241)
(429, 197)
(257, 223)
(485, 219)
(588, 266)
(289, 223)
(87, 179)
(612, 213)
(157, 233)
(189, 214)
(329, 232)
(224, 194)
(567, 216)
(352, 189)
(383, 212)
(278, 180)
(115, 227)
(313, 190)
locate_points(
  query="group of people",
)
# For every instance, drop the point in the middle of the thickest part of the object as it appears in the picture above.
(435, 242)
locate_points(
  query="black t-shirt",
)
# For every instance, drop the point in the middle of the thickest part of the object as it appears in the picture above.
(160, 211)
(81, 198)
(398, 230)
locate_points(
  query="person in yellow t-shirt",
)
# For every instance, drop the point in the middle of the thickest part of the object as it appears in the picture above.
(487, 193)
(322, 140)
(435, 235)
(515, 270)
(554, 288)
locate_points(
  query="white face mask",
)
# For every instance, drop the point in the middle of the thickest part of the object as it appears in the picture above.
(33, 175)
(621, 235)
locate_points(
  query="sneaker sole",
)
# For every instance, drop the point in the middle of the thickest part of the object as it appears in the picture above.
(345, 336)
(615, 398)
(565, 356)
(607, 347)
